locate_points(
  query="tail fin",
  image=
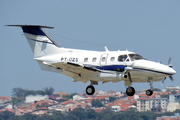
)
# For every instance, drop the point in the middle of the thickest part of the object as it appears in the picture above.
(40, 43)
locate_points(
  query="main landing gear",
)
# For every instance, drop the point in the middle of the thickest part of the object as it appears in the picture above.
(149, 92)
(130, 91)
(90, 90)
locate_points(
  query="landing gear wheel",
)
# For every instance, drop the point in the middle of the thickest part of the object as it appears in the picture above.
(130, 91)
(90, 90)
(149, 92)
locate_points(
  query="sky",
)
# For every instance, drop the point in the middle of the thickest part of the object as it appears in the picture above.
(149, 28)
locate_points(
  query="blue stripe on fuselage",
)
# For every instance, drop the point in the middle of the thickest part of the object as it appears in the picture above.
(118, 68)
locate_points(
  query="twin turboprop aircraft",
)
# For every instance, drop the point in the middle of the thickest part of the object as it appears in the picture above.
(94, 66)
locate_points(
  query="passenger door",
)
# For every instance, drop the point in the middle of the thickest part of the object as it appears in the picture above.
(103, 59)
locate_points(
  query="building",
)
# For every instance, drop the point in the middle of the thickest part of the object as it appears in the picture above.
(174, 98)
(172, 88)
(156, 104)
(173, 106)
(32, 99)
(115, 108)
(143, 104)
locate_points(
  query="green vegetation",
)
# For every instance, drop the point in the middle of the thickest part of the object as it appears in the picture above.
(156, 89)
(89, 114)
(96, 103)
(70, 96)
(19, 92)
(111, 99)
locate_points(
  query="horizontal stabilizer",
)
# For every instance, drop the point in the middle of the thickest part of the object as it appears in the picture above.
(30, 26)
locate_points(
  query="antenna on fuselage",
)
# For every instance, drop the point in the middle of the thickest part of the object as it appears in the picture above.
(106, 49)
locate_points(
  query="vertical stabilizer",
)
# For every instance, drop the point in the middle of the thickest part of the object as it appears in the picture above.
(38, 40)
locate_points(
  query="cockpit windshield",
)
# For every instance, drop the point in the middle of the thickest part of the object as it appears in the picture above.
(135, 57)
(129, 57)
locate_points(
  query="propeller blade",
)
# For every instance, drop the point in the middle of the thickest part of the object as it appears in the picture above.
(162, 82)
(169, 61)
(171, 78)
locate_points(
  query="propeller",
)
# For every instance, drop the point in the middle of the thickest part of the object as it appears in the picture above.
(169, 62)
(171, 78)
(171, 67)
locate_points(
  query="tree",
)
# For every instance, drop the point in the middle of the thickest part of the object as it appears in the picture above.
(28, 116)
(40, 92)
(91, 114)
(18, 92)
(57, 115)
(6, 115)
(111, 99)
(156, 89)
(70, 96)
(96, 103)
(48, 91)
(78, 114)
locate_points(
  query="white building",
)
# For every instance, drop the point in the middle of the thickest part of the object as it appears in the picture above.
(115, 108)
(32, 99)
(152, 104)
(78, 97)
(172, 88)
(173, 106)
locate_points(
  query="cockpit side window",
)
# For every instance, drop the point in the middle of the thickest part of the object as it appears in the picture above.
(122, 58)
(135, 57)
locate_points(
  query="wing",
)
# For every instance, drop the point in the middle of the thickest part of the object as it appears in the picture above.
(76, 68)
(73, 70)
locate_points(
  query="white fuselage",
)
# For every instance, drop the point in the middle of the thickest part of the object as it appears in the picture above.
(142, 69)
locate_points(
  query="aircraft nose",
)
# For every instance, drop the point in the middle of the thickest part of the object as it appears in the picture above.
(153, 66)
(172, 71)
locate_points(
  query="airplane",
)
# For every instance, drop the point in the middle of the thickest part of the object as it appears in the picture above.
(94, 66)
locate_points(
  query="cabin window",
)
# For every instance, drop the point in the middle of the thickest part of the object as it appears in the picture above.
(103, 59)
(85, 59)
(112, 58)
(94, 59)
(122, 58)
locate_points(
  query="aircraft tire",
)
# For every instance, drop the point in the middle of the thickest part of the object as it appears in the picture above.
(90, 90)
(149, 92)
(130, 91)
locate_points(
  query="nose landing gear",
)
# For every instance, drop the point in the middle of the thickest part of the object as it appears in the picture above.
(149, 92)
